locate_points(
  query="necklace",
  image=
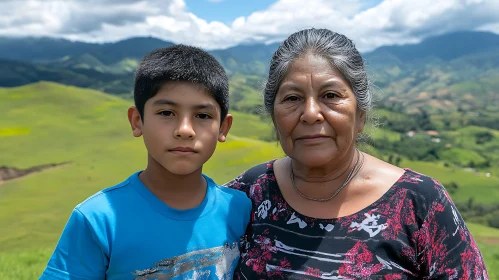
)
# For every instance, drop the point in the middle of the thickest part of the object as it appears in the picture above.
(356, 168)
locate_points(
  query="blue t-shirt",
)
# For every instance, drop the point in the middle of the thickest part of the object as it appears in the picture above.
(126, 232)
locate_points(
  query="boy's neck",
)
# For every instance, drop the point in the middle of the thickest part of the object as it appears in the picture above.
(177, 191)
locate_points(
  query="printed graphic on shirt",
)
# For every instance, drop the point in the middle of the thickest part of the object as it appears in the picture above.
(196, 265)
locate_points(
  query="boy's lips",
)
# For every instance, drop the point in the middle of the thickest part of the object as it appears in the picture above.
(183, 150)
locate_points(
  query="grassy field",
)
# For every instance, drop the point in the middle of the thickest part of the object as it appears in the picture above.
(48, 123)
(471, 184)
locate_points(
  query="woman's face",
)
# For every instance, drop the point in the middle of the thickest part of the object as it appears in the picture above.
(315, 113)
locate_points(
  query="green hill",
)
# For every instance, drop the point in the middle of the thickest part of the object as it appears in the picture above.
(83, 72)
(452, 74)
(46, 123)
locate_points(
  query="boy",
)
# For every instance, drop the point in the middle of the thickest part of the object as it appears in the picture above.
(169, 221)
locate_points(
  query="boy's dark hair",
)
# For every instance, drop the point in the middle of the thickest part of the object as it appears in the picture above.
(180, 63)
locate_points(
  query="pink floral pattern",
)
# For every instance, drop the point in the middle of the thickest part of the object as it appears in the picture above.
(413, 232)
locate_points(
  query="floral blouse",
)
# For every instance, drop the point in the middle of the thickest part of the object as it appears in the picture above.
(413, 231)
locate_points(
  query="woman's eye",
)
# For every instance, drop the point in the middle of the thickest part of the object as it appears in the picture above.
(330, 95)
(166, 113)
(291, 98)
(204, 116)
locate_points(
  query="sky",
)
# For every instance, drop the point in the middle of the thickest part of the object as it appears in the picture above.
(218, 24)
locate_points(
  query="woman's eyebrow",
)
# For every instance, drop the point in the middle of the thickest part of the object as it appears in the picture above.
(290, 86)
(333, 82)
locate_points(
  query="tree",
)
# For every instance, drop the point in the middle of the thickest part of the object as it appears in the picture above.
(470, 203)
(390, 159)
(424, 121)
(398, 159)
(452, 187)
(494, 221)
(483, 137)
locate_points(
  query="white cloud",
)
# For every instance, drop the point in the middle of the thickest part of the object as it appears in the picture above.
(493, 27)
(391, 22)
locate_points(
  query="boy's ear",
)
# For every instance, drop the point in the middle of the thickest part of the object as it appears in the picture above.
(224, 128)
(135, 121)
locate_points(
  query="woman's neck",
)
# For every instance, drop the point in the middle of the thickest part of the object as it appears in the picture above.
(335, 170)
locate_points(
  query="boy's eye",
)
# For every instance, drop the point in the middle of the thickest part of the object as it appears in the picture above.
(203, 116)
(166, 113)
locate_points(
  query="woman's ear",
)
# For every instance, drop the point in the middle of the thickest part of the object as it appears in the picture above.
(277, 134)
(361, 123)
(276, 131)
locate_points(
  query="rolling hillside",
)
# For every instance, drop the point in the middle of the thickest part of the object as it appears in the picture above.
(46, 123)
(438, 114)
(451, 73)
(121, 57)
(87, 132)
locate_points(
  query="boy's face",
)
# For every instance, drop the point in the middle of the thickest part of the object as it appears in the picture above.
(181, 127)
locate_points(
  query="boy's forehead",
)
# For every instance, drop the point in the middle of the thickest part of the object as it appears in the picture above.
(184, 93)
(175, 85)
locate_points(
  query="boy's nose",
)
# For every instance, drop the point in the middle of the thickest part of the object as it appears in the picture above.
(185, 130)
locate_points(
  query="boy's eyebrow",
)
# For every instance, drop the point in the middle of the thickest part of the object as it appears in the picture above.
(164, 102)
(171, 103)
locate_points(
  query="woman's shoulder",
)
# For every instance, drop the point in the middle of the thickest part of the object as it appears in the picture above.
(404, 182)
(255, 175)
(422, 186)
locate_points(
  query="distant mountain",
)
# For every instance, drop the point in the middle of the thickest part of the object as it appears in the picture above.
(118, 58)
(445, 47)
(448, 73)
(123, 56)
(246, 59)
(50, 49)
(27, 60)
(41, 49)
(129, 48)
(17, 73)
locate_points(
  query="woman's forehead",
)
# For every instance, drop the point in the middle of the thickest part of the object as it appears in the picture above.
(312, 64)
(312, 69)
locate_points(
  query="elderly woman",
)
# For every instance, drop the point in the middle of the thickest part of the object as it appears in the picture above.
(328, 210)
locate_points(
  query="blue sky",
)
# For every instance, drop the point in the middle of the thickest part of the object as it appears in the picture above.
(226, 10)
(217, 24)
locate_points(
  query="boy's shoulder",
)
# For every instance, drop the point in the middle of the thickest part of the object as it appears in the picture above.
(228, 192)
(106, 199)
(234, 204)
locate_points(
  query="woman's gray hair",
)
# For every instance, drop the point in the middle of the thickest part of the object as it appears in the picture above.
(335, 47)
